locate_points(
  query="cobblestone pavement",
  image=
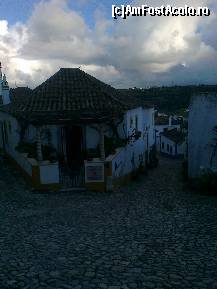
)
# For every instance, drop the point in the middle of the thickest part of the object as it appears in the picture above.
(150, 234)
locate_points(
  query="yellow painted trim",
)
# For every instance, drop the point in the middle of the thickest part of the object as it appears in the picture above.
(34, 180)
(36, 176)
(96, 187)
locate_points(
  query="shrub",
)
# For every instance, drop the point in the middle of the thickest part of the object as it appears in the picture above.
(112, 143)
(29, 148)
(206, 183)
(48, 152)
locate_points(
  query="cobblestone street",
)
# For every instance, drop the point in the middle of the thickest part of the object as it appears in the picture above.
(150, 234)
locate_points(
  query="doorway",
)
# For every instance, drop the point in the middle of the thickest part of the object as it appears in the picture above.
(72, 169)
(74, 146)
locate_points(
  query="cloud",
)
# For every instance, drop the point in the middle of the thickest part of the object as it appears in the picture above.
(158, 45)
(56, 32)
(125, 53)
(3, 27)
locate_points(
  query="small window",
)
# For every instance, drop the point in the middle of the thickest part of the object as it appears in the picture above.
(171, 149)
(168, 148)
(131, 122)
(162, 145)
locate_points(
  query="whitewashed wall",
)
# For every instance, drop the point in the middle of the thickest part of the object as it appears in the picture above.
(49, 174)
(160, 128)
(12, 131)
(92, 138)
(181, 149)
(148, 120)
(202, 119)
(12, 140)
(128, 158)
(125, 128)
(177, 149)
(167, 142)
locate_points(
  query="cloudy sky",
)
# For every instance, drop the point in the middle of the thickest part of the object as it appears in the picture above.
(39, 37)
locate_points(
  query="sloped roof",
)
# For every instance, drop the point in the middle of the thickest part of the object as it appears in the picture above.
(164, 120)
(68, 95)
(161, 120)
(174, 135)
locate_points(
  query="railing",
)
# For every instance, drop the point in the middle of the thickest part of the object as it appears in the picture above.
(70, 178)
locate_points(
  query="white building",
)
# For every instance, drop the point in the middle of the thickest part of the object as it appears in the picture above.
(164, 122)
(74, 130)
(173, 143)
(201, 134)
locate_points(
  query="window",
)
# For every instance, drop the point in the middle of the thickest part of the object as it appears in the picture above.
(168, 148)
(131, 122)
(136, 121)
(171, 149)
(162, 145)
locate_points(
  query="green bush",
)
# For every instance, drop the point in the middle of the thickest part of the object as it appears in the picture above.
(48, 152)
(91, 153)
(112, 143)
(28, 148)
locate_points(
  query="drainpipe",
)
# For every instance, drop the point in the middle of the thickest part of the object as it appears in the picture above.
(38, 144)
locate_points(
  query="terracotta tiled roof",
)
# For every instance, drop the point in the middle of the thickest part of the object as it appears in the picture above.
(174, 135)
(162, 120)
(69, 94)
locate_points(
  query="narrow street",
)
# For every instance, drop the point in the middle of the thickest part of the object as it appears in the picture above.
(150, 234)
